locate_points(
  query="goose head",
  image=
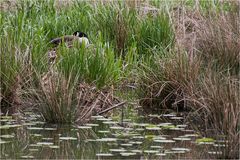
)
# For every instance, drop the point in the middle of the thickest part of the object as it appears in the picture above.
(83, 38)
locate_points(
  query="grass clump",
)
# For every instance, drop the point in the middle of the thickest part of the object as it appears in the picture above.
(204, 81)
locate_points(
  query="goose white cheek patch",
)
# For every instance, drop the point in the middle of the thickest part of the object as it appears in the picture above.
(84, 40)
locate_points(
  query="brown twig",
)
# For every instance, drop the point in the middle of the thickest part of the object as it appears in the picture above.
(115, 106)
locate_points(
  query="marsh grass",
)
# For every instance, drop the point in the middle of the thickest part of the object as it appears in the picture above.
(218, 41)
(217, 107)
(167, 80)
(209, 72)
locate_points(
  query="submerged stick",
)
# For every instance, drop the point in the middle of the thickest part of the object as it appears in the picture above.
(115, 106)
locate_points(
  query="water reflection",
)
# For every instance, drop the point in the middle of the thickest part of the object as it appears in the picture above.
(102, 139)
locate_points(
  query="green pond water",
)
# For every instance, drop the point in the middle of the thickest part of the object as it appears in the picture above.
(104, 138)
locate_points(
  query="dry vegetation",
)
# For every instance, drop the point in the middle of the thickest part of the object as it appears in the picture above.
(187, 58)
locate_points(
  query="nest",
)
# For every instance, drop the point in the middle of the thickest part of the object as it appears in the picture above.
(82, 100)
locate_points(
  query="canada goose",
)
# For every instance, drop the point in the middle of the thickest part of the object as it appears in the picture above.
(68, 39)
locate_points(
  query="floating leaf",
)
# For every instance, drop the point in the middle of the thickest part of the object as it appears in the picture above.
(127, 144)
(106, 139)
(104, 154)
(97, 117)
(157, 147)
(3, 142)
(36, 135)
(67, 138)
(118, 150)
(128, 154)
(213, 152)
(135, 142)
(176, 118)
(34, 128)
(33, 150)
(27, 157)
(182, 139)
(153, 128)
(161, 154)
(174, 152)
(103, 131)
(205, 140)
(163, 141)
(168, 115)
(151, 151)
(191, 135)
(92, 125)
(110, 122)
(50, 129)
(116, 127)
(7, 126)
(7, 136)
(54, 147)
(45, 143)
(180, 149)
(84, 127)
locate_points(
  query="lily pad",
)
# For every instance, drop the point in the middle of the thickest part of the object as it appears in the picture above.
(191, 135)
(33, 150)
(180, 149)
(118, 150)
(127, 144)
(84, 127)
(27, 157)
(34, 128)
(176, 129)
(103, 131)
(36, 135)
(215, 153)
(153, 128)
(135, 142)
(117, 127)
(107, 140)
(161, 154)
(7, 136)
(45, 143)
(138, 137)
(205, 140)
(175, 152)
(151, 151)
(156, 147)
(139, 129)
(104, 154)
(97, 117)
(128, 153)
(176, 118)
(6, 117)
(92, 125)
(168, 115)
(103, 119)
(7, 126)
(67, 138)
(3, 142)
(47, 138)
(182, 139)
(50, 129)
(163, 141)
(54, 147)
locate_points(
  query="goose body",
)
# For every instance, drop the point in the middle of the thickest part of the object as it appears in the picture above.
(69, 39)
(77, 36)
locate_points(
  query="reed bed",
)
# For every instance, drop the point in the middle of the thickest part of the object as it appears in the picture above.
(184, 56)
